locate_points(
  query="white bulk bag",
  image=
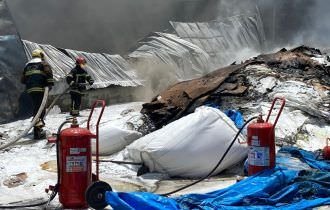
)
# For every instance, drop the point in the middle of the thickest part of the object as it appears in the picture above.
(113, 139)
(191, 146)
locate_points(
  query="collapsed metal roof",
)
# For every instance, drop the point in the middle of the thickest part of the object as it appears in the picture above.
(224, 39)
(105, 69)
(200, 47)
(187, 59)
(61, 64)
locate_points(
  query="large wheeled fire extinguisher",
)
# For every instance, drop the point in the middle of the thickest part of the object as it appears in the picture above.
(261, 142)
(74, 161)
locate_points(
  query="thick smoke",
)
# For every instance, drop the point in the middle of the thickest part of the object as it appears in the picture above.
(286, 23)
(114, 26)
(110, 26)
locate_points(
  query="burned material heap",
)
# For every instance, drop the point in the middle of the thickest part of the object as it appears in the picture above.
(258, 79)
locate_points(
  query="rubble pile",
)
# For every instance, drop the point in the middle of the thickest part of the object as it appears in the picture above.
(245, 86)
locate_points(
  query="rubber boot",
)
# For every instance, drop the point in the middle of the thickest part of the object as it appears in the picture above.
(38, 132)
(74, 113)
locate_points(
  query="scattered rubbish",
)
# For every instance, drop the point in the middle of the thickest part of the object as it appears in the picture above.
(126, 112)
(15, 180)
(293, 74)
(176, 101)
(50, 166)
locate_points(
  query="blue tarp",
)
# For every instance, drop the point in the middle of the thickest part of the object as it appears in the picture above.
(235, 116)
(288, 186)
(307, 157)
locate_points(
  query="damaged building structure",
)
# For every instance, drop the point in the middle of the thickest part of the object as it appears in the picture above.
(180, 69)
(189, 53)
(158, 60)
(188, 76)
(114, 78)
(300, 75)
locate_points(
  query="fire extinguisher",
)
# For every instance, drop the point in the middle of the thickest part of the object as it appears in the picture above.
(74, 162)
(261, 142)
(326, 150)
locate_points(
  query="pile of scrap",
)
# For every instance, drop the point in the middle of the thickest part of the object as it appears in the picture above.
(245, 86)
(301, 75)
(177, 100)
(193, 129)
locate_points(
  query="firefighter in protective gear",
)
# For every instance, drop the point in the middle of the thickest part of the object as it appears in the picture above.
(36, 76)
(77, 79)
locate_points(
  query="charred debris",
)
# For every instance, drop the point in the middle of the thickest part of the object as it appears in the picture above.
(232, 86)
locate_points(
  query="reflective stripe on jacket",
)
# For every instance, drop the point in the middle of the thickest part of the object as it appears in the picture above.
(77, 79)
(37, 75)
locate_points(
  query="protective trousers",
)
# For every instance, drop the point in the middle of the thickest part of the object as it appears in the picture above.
(75, 103)
(37, 100)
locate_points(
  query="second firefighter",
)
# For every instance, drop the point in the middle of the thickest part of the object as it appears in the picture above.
(78, 79)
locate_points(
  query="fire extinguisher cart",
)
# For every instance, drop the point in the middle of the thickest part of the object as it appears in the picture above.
(74, 159)
(261, 142)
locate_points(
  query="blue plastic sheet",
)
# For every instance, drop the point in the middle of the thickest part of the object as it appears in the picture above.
(235, 116)
(307, 157)
(284, 187)
(139, 200)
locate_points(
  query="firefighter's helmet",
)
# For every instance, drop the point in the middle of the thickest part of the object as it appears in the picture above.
(80, 60)
(37, 53)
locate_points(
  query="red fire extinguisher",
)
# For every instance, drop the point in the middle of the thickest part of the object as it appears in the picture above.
(261, 142)
(326, 150)
(74, 161)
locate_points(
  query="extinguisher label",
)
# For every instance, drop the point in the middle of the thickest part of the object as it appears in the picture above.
(76, 163)
(77, 151)
(259, 156)
(255, 141)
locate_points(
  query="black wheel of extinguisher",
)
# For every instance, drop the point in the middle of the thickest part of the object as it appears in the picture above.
(95, 194)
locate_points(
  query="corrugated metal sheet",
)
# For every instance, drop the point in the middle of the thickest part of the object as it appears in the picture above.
(224, 39)
(107, 69)
(104, 68)
(187, 59)
(61, 64)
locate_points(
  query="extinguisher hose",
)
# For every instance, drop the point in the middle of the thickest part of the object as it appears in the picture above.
(35, 119)
(217, 165)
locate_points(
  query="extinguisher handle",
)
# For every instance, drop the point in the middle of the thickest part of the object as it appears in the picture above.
(327, 141)
(279, 112)
(102, 102)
